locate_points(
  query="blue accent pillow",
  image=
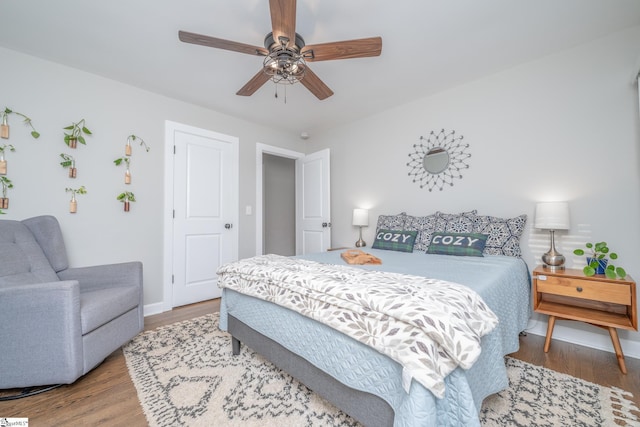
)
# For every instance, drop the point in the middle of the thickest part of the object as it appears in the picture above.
(395, 240)
(460, 244)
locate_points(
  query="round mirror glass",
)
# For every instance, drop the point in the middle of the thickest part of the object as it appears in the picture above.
(436, 160)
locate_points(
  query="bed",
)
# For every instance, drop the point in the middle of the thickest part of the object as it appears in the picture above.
(369, 385)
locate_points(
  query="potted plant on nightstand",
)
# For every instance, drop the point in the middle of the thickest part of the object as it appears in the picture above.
(76, 135)
(598, 263)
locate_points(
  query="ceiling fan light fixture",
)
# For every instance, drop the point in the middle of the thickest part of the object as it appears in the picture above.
(284, 66)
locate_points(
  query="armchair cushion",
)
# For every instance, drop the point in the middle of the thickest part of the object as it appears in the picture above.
(21, 258)
(49, 236)
(101, 306)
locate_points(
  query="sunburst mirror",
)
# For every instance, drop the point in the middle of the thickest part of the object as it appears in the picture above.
(438, 159)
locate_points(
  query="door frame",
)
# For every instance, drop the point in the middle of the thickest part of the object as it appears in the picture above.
(167, 268)
(275, 151)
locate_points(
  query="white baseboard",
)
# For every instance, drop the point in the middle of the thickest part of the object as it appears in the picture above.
(598, 339)
(155, 308)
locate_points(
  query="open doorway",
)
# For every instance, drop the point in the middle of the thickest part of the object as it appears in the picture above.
(275, 156)
(278, 205)
(312, 224)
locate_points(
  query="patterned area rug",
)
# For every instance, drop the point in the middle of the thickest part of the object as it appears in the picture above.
(185, 375)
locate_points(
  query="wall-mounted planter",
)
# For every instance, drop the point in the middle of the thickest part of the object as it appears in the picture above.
(3, 161)
(126, 198)
(127, 173)
(130, 138)
(6, 184)
(78, 130)
(4, 127)
(73, 203)
(69, 162)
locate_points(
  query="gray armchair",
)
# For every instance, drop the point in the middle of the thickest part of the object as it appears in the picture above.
(57, 323)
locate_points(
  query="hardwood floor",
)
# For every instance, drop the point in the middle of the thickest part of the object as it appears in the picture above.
(106, 396)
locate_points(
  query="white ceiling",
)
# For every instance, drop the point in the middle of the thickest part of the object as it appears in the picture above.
(427, 46)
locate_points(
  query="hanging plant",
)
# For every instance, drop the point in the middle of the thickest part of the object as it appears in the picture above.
(78, 130)
(3, 162)
(127, 173)
(73, 204)
(130, 138)
(125, 198)
(69, 162)
(6, 184)
(4, 127)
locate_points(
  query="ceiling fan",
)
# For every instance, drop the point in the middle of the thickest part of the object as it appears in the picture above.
(285, 53)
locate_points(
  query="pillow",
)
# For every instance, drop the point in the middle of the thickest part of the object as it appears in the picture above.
(504, 234)
(391, 222)
(455, 223)
(395, 240)
(425, 226)
(461, 244)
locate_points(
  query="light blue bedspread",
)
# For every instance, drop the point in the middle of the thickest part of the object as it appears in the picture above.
(504, 284)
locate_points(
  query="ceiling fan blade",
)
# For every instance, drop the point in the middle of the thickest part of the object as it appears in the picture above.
(283, 19)
(316, 86)
(359, 48)
(221, 43)
(254, 84)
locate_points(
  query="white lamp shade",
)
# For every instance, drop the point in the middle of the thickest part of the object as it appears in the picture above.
(361, 217)
(552, 216)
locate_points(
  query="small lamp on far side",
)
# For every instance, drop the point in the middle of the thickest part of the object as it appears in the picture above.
(552, 216)
(360, 219)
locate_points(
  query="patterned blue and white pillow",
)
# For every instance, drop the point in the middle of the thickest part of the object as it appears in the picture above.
(455, 223)
(425, 226)
(391, 222)
(504, 234)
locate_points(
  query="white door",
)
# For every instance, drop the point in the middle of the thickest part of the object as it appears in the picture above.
(205, 205)
(313, 209)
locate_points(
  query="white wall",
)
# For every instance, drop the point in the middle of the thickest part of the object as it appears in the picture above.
(53, 96)
(564, 127)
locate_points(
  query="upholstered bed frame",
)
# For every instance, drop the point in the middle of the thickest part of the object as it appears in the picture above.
(367, 408)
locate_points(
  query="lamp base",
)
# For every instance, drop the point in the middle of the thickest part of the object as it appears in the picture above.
(360, 243)
(553, 260)
(553, 267)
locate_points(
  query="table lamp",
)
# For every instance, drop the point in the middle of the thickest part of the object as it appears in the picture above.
(552, 216)
(360, 219)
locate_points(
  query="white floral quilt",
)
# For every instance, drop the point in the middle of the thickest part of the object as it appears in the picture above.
(429, 326)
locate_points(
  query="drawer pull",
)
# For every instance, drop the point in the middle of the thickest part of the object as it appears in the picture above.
(579, 289)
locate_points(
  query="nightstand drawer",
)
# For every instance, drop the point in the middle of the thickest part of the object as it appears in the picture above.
(617, 293)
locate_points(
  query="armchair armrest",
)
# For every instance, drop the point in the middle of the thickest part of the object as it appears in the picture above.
(105, 276)
(36, 317)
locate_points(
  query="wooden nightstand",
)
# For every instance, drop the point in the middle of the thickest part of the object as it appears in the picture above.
(569, 294)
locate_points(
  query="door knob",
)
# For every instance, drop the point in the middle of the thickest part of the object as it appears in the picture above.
(228, 226)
